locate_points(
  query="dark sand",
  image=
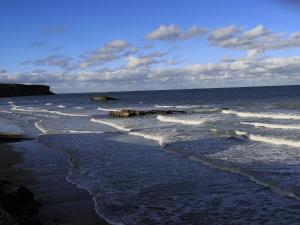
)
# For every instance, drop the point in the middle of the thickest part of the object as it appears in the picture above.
(63, 202)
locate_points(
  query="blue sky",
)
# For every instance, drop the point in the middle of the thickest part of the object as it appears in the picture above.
(109, 45)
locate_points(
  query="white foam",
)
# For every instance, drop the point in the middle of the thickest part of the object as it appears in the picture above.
(40, 115)
(273, 126)
(177, 106)
(17, 108)
(78, 107)
(111, 124)
(5, 112)
(170, 119)
(262, 115)
(61, 106)
(270, 140)
(49, 103)
(106, 110)
(34, 110)
(240, 132)
(274, 140)
(161, 140)
(39, 127)
(68, 114)
(84, 132)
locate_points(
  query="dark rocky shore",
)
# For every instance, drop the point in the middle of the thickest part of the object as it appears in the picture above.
(18, 201)
(13, 90)
(40, 196)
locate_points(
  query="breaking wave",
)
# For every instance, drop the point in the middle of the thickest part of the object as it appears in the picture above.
(170, 119)
(160, 139)
(106, 110)
(273, 126)
(111, 124)
(84, 132)
(274, 140)
(262, 115)
(270, 139)
(39, 127)
(177, 106)
(17, 108)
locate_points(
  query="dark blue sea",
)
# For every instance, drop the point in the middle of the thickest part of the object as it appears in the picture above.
(232, 158)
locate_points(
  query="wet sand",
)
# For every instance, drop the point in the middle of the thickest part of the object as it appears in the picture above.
(45, 176)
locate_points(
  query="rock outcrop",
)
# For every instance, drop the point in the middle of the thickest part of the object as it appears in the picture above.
(103, 98)
(20, 203)
(11, 137)
(14, 90)
(131, 112)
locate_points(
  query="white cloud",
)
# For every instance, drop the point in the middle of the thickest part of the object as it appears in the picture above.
(134, 62)
(61, 61)
(173, 32)
(256, 40)
(223, 33)
(109, 52)
(240, 72)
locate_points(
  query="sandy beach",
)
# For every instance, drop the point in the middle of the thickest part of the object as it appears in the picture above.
(62, 202)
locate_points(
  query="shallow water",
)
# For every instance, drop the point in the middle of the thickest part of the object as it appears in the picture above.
(233, 158)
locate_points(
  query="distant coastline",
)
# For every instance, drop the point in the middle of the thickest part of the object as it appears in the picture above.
(15, 90)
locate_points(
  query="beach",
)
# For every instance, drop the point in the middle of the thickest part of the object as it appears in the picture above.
(62, 202)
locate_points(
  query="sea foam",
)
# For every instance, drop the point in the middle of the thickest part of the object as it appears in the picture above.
(160, 139)
(262, 115)
(273, 126)
(111, 124)
(39, 127)
(170, 119)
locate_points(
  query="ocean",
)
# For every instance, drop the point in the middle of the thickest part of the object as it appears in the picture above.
(232, 158)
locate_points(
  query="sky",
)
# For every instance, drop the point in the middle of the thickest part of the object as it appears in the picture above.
(127, 45)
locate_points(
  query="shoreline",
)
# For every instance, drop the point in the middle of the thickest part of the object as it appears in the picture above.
(62, 202)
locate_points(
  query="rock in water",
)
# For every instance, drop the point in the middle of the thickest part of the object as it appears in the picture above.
(103, 98)
(131, 112)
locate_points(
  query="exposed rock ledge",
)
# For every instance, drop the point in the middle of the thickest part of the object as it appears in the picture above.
(131, 112)
(14, 90)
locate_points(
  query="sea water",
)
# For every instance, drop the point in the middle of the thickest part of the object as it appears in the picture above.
(232, 158)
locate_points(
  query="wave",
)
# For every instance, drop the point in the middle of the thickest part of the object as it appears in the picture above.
(17, 108)
(270, 139)
(274, 140)
(111, 124)
(180, 121)
(5, 112)
(40, 115)
(161, 140)
(49, 103)
(39, 127)
(177, 106)
(78, 107)
(262, 115)
(84, 132)
(273, 126)
(222, 165)
(68, 114)
(61, 106)
(106, 110)
(240, 133)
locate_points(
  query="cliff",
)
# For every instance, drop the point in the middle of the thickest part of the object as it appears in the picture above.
(12, 90)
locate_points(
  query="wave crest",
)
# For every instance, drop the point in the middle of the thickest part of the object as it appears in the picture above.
(262, 115)
(170, 119)
(273, 126)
